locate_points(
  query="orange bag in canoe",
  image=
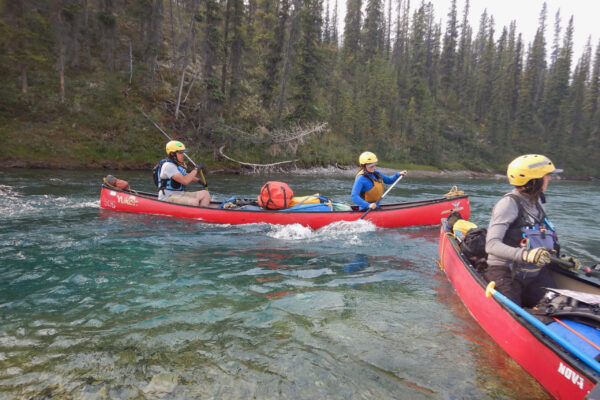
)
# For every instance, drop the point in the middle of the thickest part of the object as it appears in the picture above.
(275, 195)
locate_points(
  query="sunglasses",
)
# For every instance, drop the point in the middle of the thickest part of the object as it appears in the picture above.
(371, 165)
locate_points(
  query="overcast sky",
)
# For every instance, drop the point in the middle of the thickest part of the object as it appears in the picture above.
(524, 12)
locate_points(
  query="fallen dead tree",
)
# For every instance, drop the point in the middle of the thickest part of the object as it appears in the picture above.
(297, 132)
(290, 137)
(255, 167)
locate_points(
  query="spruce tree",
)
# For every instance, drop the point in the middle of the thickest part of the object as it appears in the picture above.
(309, 59)
(373, 30)
(448, 60)
(352, 27)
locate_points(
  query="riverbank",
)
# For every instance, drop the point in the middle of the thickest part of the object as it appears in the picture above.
(420, 173)
(346, 170)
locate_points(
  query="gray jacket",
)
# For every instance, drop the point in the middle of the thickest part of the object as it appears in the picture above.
(505, 212)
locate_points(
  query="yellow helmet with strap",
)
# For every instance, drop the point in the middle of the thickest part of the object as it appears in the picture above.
(175, 145)
(367, 158)
(530, 166)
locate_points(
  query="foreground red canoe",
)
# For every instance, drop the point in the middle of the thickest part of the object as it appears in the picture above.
(427, 212)
(559, 349)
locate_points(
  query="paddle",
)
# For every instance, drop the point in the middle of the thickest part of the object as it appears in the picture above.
(570, 266)
(490, 291)
(386, 192)
(202, 178)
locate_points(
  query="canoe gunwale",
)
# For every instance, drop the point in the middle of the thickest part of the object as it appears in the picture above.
(382, 208)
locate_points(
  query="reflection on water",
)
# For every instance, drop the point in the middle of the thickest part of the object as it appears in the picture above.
(98, 304)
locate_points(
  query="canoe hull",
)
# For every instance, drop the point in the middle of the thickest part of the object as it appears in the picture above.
(426, 212)
(562, 375)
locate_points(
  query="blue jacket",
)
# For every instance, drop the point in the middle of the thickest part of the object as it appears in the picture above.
(363, 184)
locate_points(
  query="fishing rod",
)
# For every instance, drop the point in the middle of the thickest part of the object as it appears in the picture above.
(185, 154)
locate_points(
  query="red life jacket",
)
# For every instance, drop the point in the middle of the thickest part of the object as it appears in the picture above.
(275, 195)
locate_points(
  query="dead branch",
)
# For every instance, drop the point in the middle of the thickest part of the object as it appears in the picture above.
(296, 133)
(254, 167)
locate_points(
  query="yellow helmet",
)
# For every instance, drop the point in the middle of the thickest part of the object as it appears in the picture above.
(367, 158)
(530, 166)
(174, 146)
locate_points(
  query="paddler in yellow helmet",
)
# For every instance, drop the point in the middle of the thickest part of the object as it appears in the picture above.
(520, 238)
(369, 183)
(173, 177)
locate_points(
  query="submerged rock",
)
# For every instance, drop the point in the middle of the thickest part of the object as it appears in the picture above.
(162, 383)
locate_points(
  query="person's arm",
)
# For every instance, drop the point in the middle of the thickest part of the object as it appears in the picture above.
(356, 190)
(392, 179)
(184, 179)
(504, 213)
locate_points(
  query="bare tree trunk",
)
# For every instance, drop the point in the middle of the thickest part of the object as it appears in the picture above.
(86, 32)
(61, 58)
(61, 71)
(191, 84)
(180, 91)
(107, 24)
(172, 27)
(130, 62)
(59, 39)
(235, 58)
(24, 82)
(288, 57)
(226, 47)
(155, 35)
(75, 46)
(186, 57)
(17, 15)
(388, 42)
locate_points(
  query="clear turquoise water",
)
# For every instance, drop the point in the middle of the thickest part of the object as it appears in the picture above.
(98, 304)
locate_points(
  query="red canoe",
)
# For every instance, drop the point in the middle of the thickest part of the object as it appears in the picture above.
(426, 212)
(563, 373)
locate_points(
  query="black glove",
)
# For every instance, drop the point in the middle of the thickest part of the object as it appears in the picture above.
(192, 167)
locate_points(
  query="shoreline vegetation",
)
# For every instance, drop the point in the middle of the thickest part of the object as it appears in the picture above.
(331, 170)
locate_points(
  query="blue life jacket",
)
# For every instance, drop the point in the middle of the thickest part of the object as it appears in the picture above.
(169, 184)
(530, 232)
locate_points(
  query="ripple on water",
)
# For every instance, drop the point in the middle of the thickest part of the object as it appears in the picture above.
(97, 304)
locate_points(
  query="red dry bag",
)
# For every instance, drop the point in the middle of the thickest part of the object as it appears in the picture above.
(275, 195)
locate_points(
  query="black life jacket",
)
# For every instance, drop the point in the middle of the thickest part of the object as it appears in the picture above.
(516, 232)
(530, 232)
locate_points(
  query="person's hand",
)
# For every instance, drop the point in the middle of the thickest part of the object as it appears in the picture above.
(199, 166)
(573, 261)
(403, 173)
(373, 206)
(538, 256)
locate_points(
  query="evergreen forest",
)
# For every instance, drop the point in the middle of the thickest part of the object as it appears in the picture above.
(86, 83)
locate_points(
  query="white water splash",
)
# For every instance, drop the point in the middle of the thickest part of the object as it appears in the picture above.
(341, 230)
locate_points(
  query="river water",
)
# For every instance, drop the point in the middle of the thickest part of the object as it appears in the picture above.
(98, 304)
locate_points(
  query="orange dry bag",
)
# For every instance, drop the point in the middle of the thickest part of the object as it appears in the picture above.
(275, 195)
